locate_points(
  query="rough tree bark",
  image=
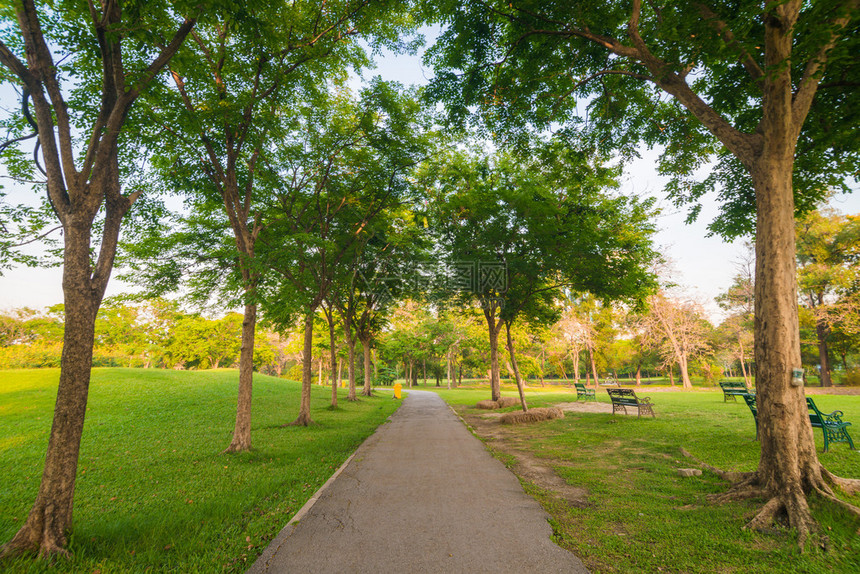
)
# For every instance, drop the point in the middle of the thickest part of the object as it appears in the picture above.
(241, 440)
(76, 196)
(304, 418)
(494, 327)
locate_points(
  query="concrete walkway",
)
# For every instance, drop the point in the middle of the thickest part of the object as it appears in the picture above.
(420, 495)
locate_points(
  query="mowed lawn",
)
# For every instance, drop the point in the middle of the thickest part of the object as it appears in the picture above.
(154, 491)
(642, 517)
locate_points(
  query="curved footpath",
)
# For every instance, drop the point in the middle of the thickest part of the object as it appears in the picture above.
(420, 495)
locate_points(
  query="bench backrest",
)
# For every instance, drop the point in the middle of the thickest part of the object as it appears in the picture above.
(579, 386)
(815, 417)
(750, 400)
(732, 385)
(622, 396)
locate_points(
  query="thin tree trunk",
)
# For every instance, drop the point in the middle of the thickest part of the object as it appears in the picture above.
(593, 366)
(685, 375)
(304, 418)
(424, 362)
(495, 379)
(333, 374)
(639, 375)
(368, 382)
(350, 365)
(541, 368)
(747, 380)
(822, 332)
(242, 430)
(449, 372)
(672, 375)
(516, 368)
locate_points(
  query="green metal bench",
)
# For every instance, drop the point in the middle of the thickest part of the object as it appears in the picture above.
(749, 398)
(584, 393)
(831, 424)
(623, 398)
(734, 390)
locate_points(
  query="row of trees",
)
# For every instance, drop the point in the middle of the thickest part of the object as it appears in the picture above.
(301, 196)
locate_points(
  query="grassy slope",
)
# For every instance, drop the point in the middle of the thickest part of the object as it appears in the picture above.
(644, 518)
(154, 492)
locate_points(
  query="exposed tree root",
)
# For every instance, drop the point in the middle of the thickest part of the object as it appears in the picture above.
(849, 486)
(238, 446)
(846, 505)
(787, 508)
(38, 535)
(730, 476)
(303, 420)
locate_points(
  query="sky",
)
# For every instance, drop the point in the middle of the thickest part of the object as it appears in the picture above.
(703, 266)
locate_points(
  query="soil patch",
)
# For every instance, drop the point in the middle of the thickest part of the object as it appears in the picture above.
(538, 471)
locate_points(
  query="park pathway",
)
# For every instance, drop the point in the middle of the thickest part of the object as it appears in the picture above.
(420, 495)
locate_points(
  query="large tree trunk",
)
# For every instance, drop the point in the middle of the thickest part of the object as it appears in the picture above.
(516, 368)
(788, 467)
(242, 430)
(368, 381)
(50, 518)
(304, 418)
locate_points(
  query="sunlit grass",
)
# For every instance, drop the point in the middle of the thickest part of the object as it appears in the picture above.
(154, 491)
(643, 517)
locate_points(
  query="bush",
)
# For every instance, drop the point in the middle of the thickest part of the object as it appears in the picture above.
(851, 378)
(386, 376)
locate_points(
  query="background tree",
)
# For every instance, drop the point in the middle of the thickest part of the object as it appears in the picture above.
(90, 91)
(739, 302)
(748, 75)
(828, 264)
(526, 228)
(677, 329)
(351, 163)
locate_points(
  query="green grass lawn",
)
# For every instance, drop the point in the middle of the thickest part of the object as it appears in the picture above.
(643, 517)
(154, 493)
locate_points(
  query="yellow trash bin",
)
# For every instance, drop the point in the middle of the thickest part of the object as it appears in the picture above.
(397, 388)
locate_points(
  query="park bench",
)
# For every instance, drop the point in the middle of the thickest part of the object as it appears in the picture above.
(610, 381)
(623, 398)
(749, 398)
(733, 389)
(831, 424)
(584, 393)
